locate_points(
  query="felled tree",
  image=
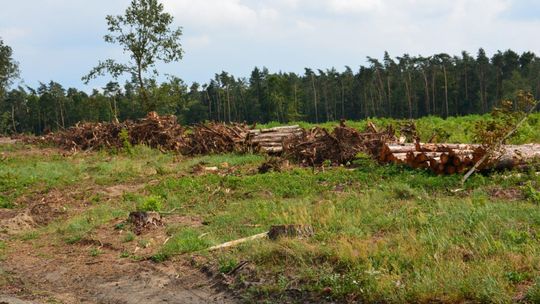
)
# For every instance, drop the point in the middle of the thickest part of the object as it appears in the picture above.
(506, 120)
(145, 33)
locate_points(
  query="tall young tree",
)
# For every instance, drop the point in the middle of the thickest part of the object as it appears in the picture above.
(9, 68)
(144, 32)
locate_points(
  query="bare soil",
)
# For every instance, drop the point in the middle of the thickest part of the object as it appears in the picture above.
(92, 271)
(102, 268)
(71, 275)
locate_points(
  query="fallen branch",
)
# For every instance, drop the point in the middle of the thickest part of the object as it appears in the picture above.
(239, 241)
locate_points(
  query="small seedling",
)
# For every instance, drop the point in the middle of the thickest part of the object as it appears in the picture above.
(130, 236)
(532, 194)
(151, 203)
(95, 252)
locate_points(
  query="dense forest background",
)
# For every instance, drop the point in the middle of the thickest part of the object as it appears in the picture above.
(400, 87)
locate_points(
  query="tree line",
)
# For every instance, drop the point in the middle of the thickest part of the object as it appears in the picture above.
(400, 87)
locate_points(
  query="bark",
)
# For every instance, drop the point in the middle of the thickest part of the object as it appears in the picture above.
(315, 98)
(426, 89)
(445, 90)
(13, 118)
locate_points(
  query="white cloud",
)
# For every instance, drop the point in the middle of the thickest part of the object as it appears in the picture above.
(235, 35)
(212, 14)
(197, 42)
(354, 6)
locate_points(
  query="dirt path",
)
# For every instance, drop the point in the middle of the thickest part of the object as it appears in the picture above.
(76, 277)
(48, 270)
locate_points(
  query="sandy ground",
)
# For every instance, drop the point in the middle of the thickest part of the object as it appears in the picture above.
(48, 270)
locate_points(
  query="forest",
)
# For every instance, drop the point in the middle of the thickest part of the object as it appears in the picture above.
(398, 87)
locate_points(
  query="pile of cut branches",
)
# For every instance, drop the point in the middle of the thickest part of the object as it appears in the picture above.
(86, 136)
(161, 132)
(213, 138)
(340, 146)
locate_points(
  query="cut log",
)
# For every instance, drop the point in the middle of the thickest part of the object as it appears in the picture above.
(457, 158)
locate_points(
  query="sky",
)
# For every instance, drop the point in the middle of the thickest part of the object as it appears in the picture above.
(62, 40)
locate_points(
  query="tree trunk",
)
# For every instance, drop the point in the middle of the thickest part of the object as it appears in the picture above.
(295, 99)
(466, 85)
(389, 96)
(434, 107)
(342, 100)
(209, 105)
(144, 95)
(13, 118)
(315, 98)
(228, 103)
(409, 101)
(445, 90)
(218, 105)
(426, 89)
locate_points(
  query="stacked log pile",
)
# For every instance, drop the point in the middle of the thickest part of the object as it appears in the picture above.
(520, 157)
(272, 140)
(458, 158)
(215, 138)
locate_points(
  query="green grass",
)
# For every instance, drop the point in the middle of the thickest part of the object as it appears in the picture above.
(459, 129)
(383, 233)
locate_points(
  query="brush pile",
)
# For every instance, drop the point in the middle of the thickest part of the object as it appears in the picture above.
(86, 136)
(216, 138)
(338, 147)
(160, 132)
(458, 158)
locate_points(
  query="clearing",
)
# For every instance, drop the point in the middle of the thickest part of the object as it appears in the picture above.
(382, 233)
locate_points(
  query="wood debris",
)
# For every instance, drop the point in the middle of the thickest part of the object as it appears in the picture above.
(214, 138)
(340, 146)
(272, 140)
(141, 220)
(458, 158)
(161, 132)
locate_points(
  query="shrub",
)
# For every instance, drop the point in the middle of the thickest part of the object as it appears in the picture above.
(151, 203)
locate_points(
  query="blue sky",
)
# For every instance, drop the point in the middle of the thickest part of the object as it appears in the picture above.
(62, 40)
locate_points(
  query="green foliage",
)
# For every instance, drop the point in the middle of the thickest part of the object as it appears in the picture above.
(187, 240)
(129, 237)
(531, 193)
(144, 31)
(503, 120)
(533, 293)
(3, 249)
(9, 68)
(320, 96)
(151, 203)
(5, 203)
(126, 143)
(226, 264)
(94, 252)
